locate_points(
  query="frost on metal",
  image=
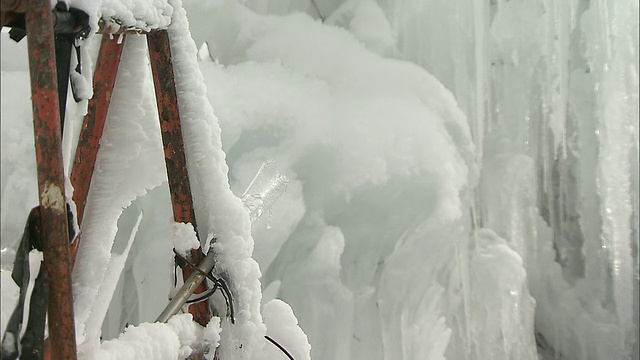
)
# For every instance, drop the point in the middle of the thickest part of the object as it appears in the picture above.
(116, 15)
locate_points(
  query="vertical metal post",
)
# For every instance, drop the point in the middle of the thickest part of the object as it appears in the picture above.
(174, 153)
(46, 120)
(89, 141)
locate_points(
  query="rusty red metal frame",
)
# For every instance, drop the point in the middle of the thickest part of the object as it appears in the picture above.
(39, 22)
(174, 152)
(55, 233)
(104, 80)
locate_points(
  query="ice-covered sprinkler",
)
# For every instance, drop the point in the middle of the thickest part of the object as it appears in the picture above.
(265, 189)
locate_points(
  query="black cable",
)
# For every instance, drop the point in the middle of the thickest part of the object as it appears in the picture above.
(218, 284)
(202, 296)
(279, 347)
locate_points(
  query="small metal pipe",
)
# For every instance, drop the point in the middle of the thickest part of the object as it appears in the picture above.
(189, 286)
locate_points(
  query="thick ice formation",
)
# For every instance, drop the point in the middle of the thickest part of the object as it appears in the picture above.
(376, 260)
(129, 163)
(398, 236)
(551, 94)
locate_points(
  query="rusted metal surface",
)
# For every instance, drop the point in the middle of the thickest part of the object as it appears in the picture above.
(174, 153)
(44, 94)
(13, 5)
(89, 141)
(166, 97)
(93, 125)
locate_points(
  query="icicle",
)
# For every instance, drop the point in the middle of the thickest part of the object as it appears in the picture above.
(269, 218)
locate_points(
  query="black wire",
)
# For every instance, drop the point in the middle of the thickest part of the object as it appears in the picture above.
(218, 284)
(228, 299)
(279, 347)
(202, 296)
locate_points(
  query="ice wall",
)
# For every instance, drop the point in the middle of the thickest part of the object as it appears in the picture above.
(550, 91)
(371, 243)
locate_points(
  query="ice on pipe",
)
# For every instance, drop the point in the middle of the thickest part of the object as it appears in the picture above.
(130, 162)
(266, 187)
(219, 212)
(117, 14)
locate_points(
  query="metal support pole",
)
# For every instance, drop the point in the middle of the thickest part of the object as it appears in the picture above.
(89, 141)
(46, 119)
(174, 152)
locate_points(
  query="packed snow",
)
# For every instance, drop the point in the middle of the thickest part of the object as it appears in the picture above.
(175, 340)
(379, 179)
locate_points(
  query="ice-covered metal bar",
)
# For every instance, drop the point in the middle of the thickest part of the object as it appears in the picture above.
(174, 153)
(12, 15)
(193, 281)
(89, 141)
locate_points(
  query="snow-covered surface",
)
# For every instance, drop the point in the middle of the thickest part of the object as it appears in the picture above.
(176, 339)
(417, 222)
(119, 14)
(284, 330)
(10, 296)
(184, 238)
(131, 163)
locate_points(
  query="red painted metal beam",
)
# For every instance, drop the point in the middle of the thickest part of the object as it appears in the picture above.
(174, 153)
(104, 80)
(55, 233)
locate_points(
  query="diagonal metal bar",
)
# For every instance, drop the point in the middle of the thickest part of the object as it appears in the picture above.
(174, 152)
(92, 128)
(190, 285)
(55, 232)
